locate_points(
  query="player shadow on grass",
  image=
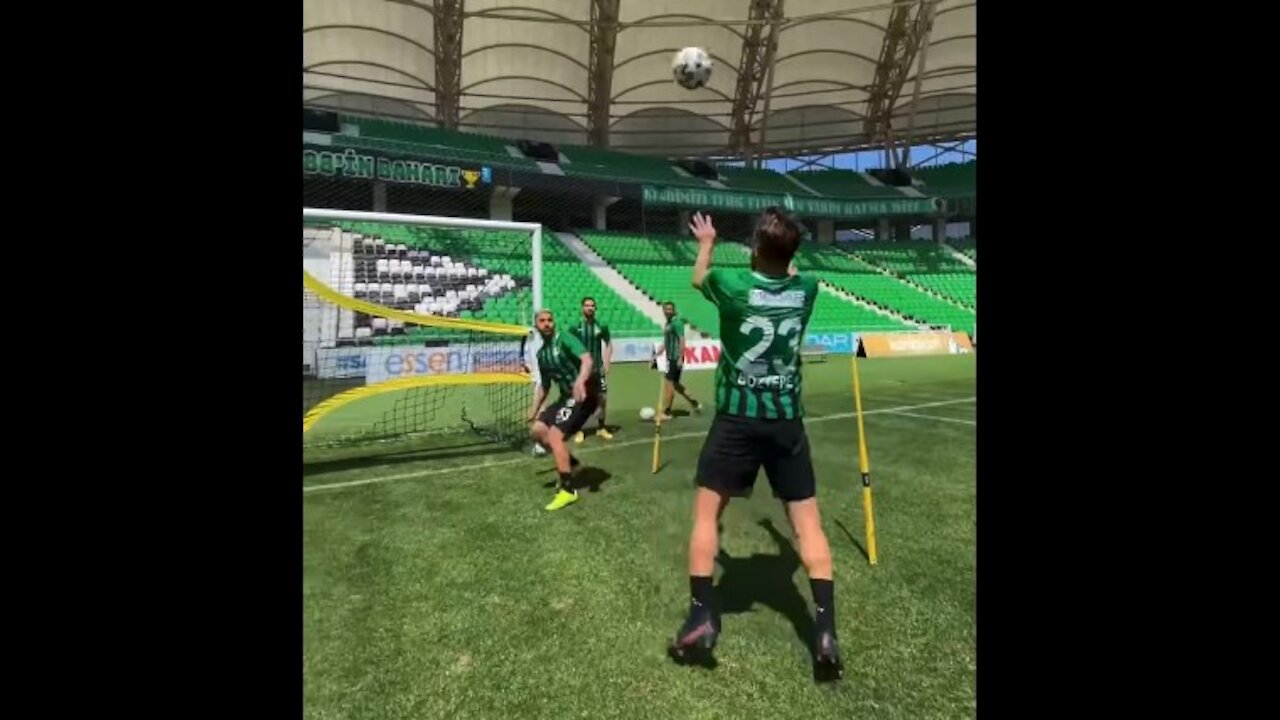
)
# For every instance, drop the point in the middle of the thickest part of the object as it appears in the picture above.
(853, 540)
(768, 580)
(586, 478)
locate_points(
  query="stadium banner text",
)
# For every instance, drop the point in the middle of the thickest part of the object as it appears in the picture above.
(814, 207)
(634, 349)
(701, 354)
(842, 343)
(349, 163)
(379, 364)
(911, 343)
(698, 354)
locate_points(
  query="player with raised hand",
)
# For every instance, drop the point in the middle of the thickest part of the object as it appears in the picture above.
(758, 423)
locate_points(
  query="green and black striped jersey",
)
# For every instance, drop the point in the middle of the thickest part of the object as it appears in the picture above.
(593, 336)
(671, 334)
(559, 361)
(762, 323)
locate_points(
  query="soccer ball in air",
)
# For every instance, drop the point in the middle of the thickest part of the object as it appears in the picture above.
(691, 68)
(647, 413)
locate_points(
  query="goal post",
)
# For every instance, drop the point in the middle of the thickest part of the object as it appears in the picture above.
(415, 328)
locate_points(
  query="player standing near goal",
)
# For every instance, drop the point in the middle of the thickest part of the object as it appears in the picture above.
(595, 337)
(562, 359)
(673, 348)
(758, 422)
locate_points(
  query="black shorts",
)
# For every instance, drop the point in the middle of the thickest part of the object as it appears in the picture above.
(673, 372)
(737, 447)
(568, 414)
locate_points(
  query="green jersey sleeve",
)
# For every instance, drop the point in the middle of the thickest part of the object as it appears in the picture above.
(713, 286)
(572, 345)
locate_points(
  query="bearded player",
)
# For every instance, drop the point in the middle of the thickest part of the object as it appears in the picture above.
(595, 337)
(562, 359)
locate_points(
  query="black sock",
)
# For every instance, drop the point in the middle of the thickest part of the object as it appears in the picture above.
(700, 588)
(566, 482)
(824, 598)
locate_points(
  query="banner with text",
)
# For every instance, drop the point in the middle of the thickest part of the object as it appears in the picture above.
(366, 164)
(394, 363)
(634, 349)
(909, 343)
(836, 343)
(709, 199)
(701, 354)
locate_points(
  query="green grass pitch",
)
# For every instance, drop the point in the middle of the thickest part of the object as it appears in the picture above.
(435, 585)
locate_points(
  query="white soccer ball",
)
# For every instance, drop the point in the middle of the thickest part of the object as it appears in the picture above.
(691, 68)
(647, 413)
(538, 450)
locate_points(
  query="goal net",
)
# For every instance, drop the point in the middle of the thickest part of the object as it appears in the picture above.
(414, 328)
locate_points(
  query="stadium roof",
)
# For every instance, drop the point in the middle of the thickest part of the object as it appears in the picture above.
(578, 71)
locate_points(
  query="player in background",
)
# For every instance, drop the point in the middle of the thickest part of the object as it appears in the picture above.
(673, 347)
(763, 311)
(595, 337)
(563, 360)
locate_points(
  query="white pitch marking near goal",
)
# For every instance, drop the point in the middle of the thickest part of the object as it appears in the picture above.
(613, 446)
(935, 417)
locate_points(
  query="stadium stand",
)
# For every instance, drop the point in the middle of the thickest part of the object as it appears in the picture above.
(968, 246)
(440, 144)
(950, 180)
(612, 165)
(924, 263)
(480, 274)
(844, 184)
(661, 267)
(867, 282)
(758, 179)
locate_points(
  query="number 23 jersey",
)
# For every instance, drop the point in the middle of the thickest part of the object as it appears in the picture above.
(762, 324)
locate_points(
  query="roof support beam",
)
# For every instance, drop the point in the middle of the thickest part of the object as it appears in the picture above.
(944, 148)
(604, 35)
(923, 44)
(759, 46)
(906, 33)
(448, 57)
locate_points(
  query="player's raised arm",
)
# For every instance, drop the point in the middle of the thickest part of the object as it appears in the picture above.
(706, 234)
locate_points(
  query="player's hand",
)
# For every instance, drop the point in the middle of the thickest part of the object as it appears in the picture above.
(702, 228)
(580, 390)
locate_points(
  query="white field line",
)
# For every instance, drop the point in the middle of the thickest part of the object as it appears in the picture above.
(901, 410)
